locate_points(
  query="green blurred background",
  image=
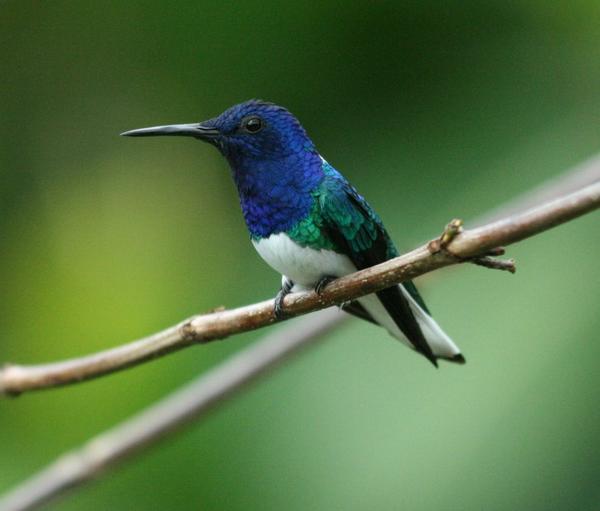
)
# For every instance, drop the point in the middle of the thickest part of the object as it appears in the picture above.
(434, 110)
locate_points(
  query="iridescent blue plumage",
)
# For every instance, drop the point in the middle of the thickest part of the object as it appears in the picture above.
(307, 221)
(275, 171)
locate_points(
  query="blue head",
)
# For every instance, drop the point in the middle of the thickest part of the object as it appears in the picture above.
(257, 130)
(274, 164)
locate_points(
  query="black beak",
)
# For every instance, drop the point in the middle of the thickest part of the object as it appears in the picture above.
(182, 130)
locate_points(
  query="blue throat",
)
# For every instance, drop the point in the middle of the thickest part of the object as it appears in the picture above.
(275, 194)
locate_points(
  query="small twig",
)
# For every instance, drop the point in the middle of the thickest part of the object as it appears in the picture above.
(495, 252)
(15, 379)
(453, 229)
(495, 264)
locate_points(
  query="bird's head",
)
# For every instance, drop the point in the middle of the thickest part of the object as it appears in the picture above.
(251, 131)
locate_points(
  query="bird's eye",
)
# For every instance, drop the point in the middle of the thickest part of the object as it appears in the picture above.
(253, 124)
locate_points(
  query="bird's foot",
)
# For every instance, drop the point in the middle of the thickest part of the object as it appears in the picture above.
(487, 260)
(320, 287)
(286, 288)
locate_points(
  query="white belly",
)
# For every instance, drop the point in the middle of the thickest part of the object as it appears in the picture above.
(306, 267)
(302, 265)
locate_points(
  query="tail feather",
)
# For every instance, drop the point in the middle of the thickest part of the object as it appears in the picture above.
(441, 345)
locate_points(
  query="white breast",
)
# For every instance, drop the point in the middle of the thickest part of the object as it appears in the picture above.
(304, 266)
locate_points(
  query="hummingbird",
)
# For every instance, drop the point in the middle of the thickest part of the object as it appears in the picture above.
(307, 221)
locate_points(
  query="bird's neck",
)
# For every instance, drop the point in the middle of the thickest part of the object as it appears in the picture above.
(276, 194)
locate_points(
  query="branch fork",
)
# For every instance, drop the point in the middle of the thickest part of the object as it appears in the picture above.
(488, 259)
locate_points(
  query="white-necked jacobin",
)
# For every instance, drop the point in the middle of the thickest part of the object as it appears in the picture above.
(307, 221)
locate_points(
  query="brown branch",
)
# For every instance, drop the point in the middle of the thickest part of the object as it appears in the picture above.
(495, 264)
(178, 409)
(15, 379)
(570, 181)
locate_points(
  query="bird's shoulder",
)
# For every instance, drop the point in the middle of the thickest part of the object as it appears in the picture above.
(353, 226)
(350, 222)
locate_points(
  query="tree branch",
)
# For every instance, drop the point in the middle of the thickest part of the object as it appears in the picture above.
(15, 379)
(181, 407)
(576, 178)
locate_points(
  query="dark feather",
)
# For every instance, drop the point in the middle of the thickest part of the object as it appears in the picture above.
(356, 230)
(356, 309)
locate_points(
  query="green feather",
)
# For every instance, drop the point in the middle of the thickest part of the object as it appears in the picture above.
(341, 220)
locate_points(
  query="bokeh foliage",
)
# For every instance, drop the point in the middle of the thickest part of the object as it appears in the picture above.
(434, 110)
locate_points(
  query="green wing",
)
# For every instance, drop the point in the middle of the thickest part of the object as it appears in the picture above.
(354, 228)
